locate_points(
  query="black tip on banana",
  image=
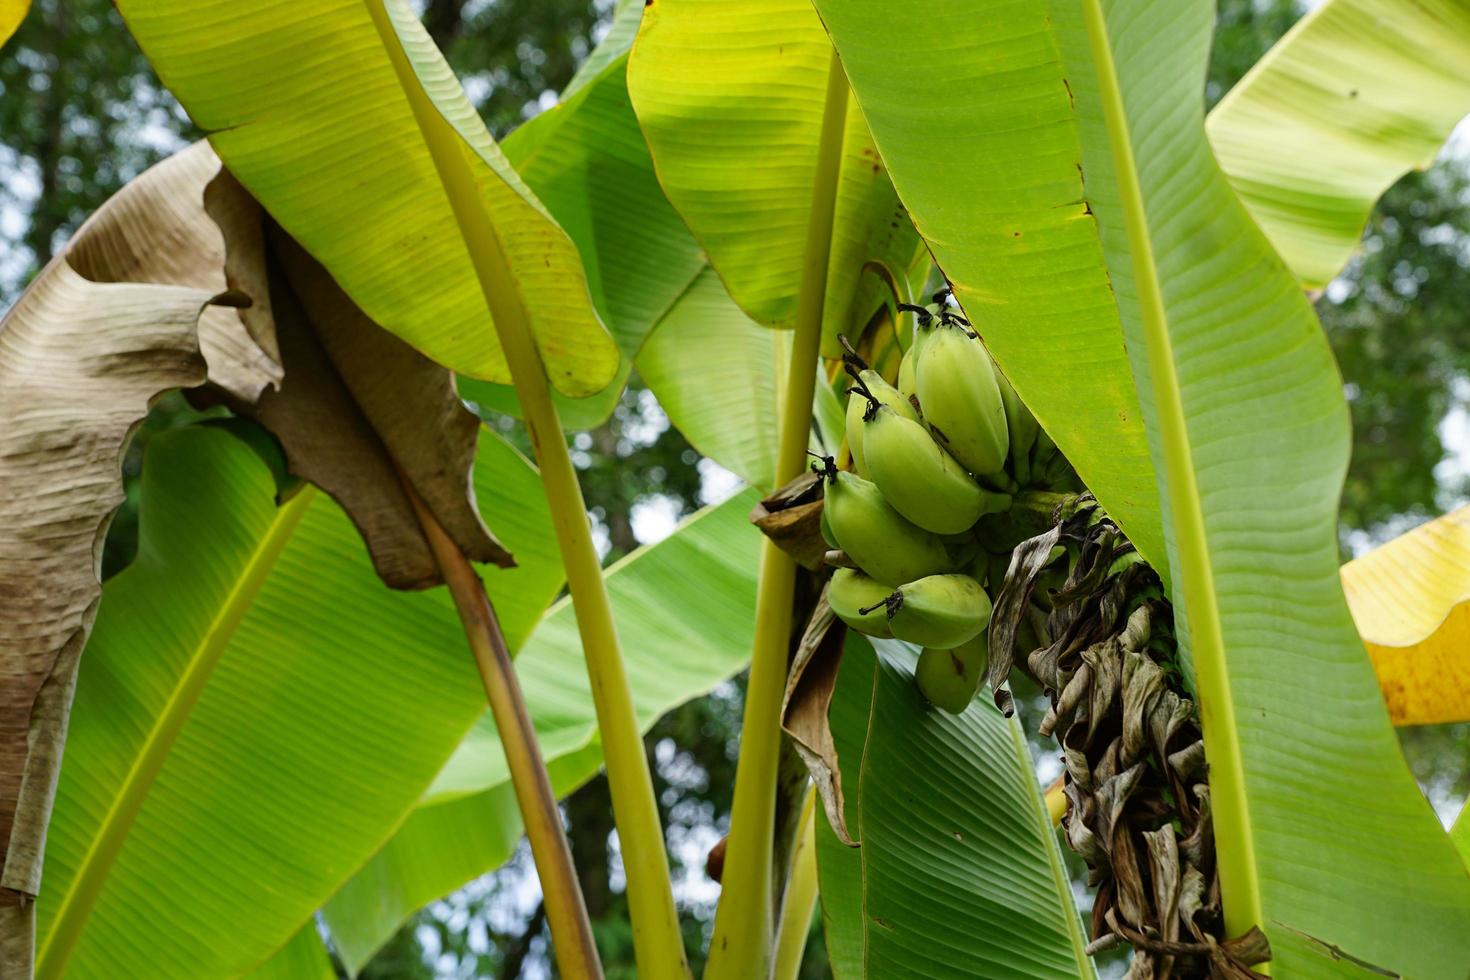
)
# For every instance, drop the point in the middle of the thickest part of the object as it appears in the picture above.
(891, 604)
(852, 361)
(861, 388)
(924, 316)
(825, 466)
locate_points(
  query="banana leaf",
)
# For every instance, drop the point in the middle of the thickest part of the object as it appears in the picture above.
(303, 958)
(731, 97)
(586, 161)
(247, 675)
(683, 610)
(1410, 600)
(1355, 95)
(12, 12)
(305, 107)
(959, 872)
(1093, 239)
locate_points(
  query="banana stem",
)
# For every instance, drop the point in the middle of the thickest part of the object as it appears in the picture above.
(566, 912)
(658, 943)
(741, 945)
(801, 897)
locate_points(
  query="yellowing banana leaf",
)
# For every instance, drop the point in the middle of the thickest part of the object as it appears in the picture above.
(1355, 95)
(12, 12)
(1410, 599)
(248, 672)
(304, 106)
(731, 97)
(1076, 206)
(958, 873)
(683, 610)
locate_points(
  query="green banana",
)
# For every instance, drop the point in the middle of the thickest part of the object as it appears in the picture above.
(1021, 425)
(920, 480)
(857, 405)
(849, 592)
(940, 611)
(950, 678)
(906, 385)
(875, 536)
(961, 401)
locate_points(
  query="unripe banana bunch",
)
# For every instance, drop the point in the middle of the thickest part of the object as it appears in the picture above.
(930, 458)
(911, 582)
(964, 400)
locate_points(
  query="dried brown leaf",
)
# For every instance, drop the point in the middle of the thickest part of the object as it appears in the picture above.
(809, 689)
(116, 319)
(792, 519)
(357, 408)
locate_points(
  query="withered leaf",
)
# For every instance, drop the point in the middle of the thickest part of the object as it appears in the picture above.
(791, 518)
(809, 689)
(360, 411)
(116, 319)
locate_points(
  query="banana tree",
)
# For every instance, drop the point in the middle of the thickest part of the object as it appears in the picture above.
(733, 199)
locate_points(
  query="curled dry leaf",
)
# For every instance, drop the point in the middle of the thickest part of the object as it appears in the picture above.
(791, 518)
(119, 317)
(177, 280)
(359, 412)
(1100, 643)
(809, 689)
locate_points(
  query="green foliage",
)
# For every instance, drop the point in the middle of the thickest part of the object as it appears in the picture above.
(1393, 319)
(228, 679)
(959, 874)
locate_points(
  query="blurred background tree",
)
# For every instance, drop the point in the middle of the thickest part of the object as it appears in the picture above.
(81, 113)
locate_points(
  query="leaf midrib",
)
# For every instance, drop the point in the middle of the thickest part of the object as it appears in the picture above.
(1194, 578)
(91, 875)
(1047, 835)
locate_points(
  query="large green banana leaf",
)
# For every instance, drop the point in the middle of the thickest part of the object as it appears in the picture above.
(987, 151)
(256, 713)
(683, 611)
(1357, 93)
(1062, 254)
(303, 104)
(699, 353)
(303, 958)
(959, 873)
(731, 97)
(717, 373)
(587, 162)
